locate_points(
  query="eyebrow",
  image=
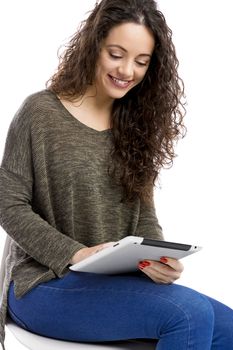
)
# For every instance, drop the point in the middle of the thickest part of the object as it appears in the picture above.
(123, 49)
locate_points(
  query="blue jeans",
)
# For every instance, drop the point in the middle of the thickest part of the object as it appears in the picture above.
(88, 307)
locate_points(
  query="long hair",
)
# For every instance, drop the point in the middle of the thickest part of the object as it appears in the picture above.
(148, 121)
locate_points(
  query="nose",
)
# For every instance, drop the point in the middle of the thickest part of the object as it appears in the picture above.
(126, 69)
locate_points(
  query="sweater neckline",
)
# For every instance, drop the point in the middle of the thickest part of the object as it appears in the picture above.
(77, 121)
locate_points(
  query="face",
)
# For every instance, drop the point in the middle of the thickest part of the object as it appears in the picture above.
(124, 59)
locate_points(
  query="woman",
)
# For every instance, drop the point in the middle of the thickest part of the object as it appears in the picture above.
(80, 162)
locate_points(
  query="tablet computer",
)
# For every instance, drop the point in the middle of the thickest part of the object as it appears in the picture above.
(123, 256)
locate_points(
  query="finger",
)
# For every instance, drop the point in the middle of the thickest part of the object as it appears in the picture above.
(160, 271)
(165, 273)
(108, 244)
(103, 246)
(173, 263)
(156, 278)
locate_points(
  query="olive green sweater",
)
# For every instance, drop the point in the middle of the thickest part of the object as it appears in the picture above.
(56, 195)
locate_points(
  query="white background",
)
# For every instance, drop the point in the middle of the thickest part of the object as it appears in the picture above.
(194, 197)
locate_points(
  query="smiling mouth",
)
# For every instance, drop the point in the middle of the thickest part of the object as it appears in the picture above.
(119, 82)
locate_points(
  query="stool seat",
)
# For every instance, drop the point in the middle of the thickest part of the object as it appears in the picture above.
(36, 342)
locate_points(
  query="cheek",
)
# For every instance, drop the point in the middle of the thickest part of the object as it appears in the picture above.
(140, 75)
(106, 65)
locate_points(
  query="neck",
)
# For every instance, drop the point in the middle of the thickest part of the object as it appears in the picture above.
(96, 101)
(92, 108)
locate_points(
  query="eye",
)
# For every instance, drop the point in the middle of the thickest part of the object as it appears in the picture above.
(142, 64)
(114, 56)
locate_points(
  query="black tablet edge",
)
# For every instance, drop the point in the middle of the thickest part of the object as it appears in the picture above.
(165, 244)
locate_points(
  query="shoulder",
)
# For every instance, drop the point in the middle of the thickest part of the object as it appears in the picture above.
(36, 105)
(41, 100)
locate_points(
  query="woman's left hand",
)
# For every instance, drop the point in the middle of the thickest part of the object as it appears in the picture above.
(166, 271)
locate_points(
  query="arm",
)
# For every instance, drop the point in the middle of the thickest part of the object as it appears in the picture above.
(148, 224)
(33, 234)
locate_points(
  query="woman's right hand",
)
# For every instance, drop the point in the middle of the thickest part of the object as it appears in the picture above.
(85, 252)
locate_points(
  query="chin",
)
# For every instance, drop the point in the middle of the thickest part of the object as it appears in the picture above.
(117, 95)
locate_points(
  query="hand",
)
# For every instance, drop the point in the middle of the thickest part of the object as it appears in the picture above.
(85, 252)
(165, 272)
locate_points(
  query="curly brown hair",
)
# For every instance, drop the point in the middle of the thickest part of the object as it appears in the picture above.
(148, 120)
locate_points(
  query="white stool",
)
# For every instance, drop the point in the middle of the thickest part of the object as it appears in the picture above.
(36, 342)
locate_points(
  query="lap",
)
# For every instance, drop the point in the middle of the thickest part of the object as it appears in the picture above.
(76, 285)
(97, 302)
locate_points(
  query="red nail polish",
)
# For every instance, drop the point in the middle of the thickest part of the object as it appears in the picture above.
(144, 263)
(141, 266)
(163, 260)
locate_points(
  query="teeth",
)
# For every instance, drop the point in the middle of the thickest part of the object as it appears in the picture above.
(120, 82)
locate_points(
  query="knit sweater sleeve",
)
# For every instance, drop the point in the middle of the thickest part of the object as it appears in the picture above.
(29, 230)
(148, 223)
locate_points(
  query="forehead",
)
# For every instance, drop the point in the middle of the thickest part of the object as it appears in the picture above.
(132, 37)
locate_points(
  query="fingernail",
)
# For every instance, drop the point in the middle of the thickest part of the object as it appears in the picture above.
(141, 266)
(163, 260)
(144, 263)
